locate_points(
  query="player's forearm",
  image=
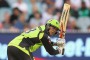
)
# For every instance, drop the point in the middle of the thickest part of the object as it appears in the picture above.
(48, 46)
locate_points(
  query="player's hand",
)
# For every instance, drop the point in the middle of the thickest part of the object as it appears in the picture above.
(61, 50)
(60, 43)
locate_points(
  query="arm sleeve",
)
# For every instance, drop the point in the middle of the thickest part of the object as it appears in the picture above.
(48, 46)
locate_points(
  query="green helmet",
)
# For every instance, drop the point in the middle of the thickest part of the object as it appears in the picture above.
(54, 23)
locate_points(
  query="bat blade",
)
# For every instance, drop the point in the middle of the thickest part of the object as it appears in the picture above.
(64, 19)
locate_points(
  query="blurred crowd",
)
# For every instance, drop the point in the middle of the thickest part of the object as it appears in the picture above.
(20, 15)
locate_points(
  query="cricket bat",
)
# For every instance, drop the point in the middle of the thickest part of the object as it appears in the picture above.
(63, 21)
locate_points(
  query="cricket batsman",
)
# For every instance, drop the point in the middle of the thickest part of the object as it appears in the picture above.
(22, 46)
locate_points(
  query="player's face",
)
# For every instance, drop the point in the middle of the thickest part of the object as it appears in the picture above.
(52, 30)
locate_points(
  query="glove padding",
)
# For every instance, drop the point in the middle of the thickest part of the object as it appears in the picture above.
(61, 50)
(60, 43)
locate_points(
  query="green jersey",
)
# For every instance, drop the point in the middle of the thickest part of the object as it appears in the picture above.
(33, 39)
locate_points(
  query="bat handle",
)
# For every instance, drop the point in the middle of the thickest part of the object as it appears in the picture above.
(63, 51)
(62, 35)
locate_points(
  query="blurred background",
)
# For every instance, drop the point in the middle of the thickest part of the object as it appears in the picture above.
(17, 16)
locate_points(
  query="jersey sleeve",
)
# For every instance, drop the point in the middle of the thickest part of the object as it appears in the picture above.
(48, 46)
(35, 47)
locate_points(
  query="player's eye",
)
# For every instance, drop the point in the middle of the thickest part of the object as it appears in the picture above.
(55, 28)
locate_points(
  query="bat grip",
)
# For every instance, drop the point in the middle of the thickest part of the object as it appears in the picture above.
(62, 34)
(63, 51)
